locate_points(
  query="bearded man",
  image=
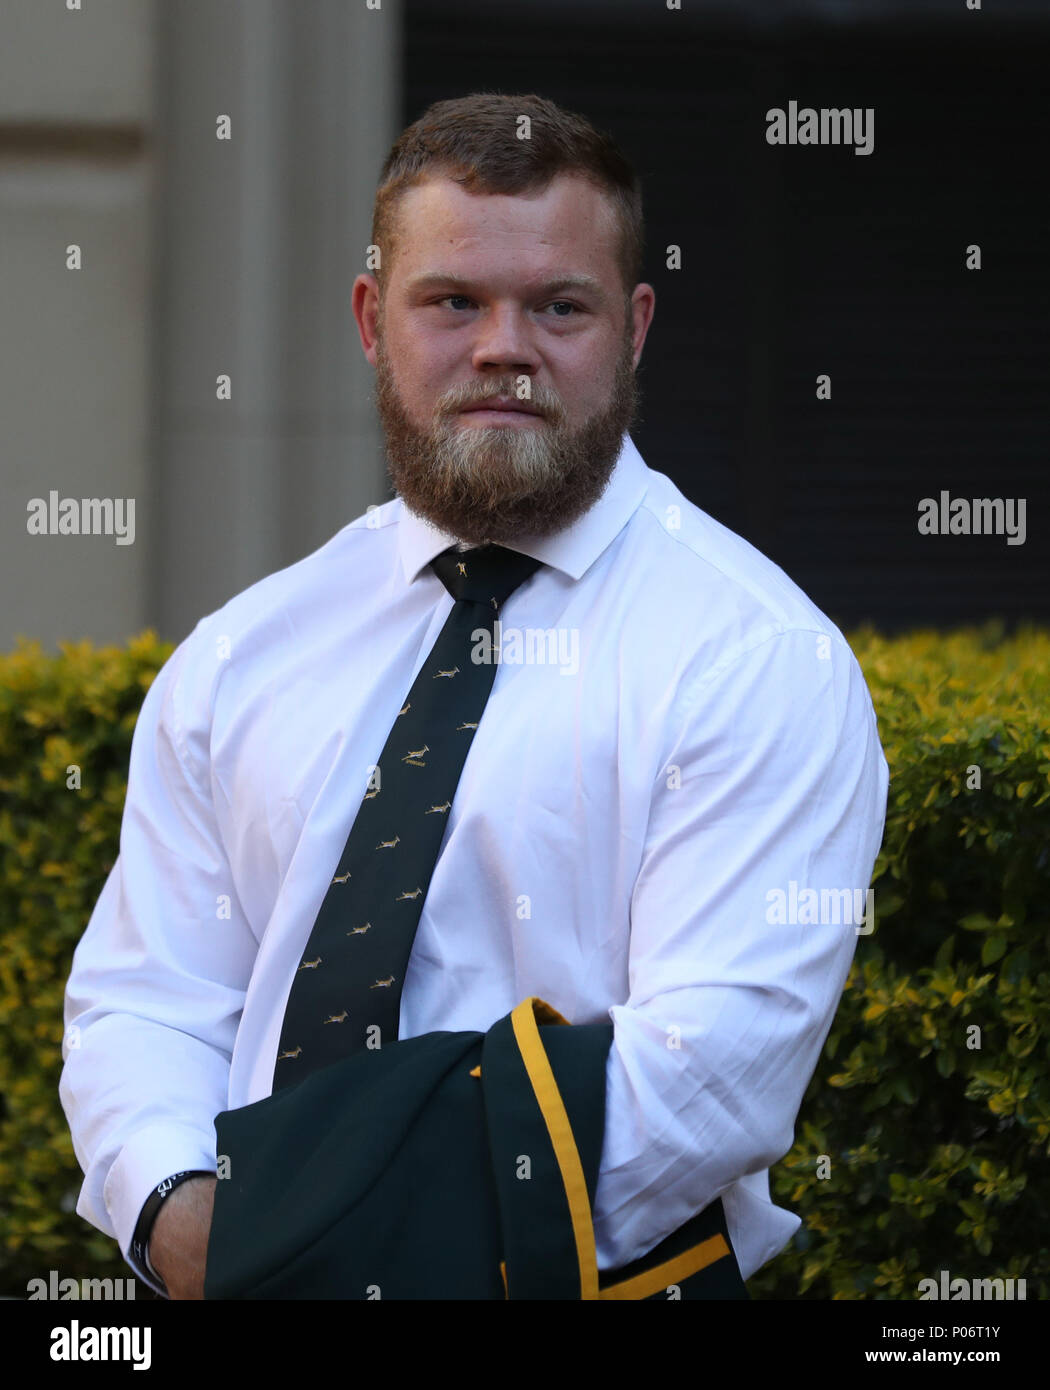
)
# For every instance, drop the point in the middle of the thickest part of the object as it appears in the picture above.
(351, 831)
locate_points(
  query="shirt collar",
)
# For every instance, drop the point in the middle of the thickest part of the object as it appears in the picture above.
(572, 550)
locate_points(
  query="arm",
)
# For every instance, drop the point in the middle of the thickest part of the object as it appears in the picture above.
(159, 977)
(782, 778)
(177, 1248)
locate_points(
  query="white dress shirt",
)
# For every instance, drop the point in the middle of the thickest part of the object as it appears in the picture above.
(698, 737)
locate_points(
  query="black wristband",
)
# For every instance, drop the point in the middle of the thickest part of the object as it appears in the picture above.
(147, 1216)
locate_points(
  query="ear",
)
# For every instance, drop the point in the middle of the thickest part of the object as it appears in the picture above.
(364, 300)
(642, 308)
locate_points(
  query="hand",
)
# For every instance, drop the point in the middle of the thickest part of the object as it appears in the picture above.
(178, 1242)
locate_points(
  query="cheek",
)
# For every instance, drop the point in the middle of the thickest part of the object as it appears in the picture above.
(590, 358)
(405, 370)
(586, 379)
(423, 366)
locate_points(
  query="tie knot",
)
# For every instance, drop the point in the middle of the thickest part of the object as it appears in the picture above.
(488, 574)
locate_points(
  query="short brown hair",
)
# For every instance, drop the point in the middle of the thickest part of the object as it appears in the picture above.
(473, 140)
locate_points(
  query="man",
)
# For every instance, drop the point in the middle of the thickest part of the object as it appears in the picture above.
(694, 739)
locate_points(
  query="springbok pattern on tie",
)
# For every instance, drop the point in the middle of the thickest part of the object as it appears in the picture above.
(354, 975)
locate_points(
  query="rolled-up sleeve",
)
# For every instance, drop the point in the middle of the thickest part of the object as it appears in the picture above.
(159, 977)
(774, 777)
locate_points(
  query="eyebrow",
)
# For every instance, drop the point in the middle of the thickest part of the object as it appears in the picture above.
(437, 280)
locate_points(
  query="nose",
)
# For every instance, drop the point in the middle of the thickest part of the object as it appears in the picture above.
(504, 342)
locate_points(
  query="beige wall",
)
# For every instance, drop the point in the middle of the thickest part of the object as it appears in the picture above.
(76, 106)
(200, 257)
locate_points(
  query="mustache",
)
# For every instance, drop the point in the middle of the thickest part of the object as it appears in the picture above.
(545, 402)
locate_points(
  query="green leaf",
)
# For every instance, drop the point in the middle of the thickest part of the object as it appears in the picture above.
(976, 921)
(904, 1090)
(994, 947)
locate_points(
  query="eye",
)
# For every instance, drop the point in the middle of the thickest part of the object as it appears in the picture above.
(564, 308)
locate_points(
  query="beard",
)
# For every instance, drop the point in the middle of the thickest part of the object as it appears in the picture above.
(489, 484)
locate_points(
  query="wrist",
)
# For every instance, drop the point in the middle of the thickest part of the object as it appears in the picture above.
(138, 1252)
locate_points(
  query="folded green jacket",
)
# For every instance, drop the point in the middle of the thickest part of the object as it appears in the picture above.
(447, 1166)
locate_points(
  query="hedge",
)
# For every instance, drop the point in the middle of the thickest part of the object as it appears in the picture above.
(938, 1148)
(923, 1142)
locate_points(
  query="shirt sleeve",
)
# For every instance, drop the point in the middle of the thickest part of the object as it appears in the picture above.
(159, 977)
(776, 777)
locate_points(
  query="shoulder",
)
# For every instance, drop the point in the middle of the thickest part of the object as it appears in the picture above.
(728, 598)
(280, 595)
(251, 638)
(757, 670)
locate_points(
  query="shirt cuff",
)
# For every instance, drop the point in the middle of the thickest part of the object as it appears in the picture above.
(151, 1155)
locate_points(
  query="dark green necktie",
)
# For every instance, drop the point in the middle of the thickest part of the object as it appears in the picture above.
(346, 994)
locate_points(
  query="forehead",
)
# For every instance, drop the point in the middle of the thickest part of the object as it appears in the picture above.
(570, 225)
